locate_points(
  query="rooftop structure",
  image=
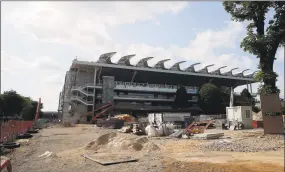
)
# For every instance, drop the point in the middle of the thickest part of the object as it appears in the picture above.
(137, 87)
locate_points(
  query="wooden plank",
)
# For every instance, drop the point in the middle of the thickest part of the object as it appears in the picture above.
(110, 159)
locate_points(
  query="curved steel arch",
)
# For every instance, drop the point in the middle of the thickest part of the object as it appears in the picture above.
(125, 60)
(218, 71)
(176, 66)
(230, 72)
(241, 73)
(160, 64)
(106, 58)
(205, 69)
(191, 68)
(250, 75)
(143, 62)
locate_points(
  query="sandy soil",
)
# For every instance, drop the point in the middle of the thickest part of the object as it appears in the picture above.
(68, 145)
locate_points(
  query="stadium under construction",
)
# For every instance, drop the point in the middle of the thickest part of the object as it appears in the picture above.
(125, 88)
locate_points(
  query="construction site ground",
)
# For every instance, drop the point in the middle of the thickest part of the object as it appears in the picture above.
(69, 144)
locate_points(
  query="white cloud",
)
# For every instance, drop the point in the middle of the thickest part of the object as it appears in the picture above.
(85, 27)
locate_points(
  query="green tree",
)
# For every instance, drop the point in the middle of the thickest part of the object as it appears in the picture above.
(210, 99)
(181, 98)
(245, 99)
(260, 40)
(13, 103)
(29, 112)
(1, 105)
(225, 94)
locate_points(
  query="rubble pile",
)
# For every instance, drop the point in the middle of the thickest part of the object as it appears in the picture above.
(254, 144)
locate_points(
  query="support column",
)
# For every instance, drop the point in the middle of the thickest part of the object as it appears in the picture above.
(134, 75)
(94, 96)
(250, 88)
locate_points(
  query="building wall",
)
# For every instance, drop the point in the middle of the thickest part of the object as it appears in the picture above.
(84, 77)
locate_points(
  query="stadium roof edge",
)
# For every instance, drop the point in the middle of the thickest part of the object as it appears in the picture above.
(142, 68)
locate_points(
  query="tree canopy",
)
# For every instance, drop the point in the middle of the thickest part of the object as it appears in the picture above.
(245, 99)
(13, 104)
(181, 98)
(260, 40)
(29, 112)
(210, 99)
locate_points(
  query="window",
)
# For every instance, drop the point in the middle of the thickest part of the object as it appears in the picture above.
(247, 113)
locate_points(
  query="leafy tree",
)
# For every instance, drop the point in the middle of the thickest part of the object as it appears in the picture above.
(181, 98)
(210, 99)
(225, 94)
(261, 41)
(29, 112)
(245, 93)
(245, 99)
(256, 109)
(13, 103)
(1, 105)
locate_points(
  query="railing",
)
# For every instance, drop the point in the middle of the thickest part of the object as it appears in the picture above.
(77, 98)
(139, 86)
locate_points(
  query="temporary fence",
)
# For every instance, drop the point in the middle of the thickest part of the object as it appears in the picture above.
(10, 129)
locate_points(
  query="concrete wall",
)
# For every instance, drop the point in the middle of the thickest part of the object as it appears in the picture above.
(84, 77)
(271, 124)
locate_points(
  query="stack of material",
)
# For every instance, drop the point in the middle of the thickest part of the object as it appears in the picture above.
(207, 136)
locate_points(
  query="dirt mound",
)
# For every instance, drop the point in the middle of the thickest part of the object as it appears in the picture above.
(112, 142)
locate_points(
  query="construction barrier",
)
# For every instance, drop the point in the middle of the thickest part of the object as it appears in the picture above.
(9, 130)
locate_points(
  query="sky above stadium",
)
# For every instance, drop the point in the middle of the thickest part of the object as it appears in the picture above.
(39, 40)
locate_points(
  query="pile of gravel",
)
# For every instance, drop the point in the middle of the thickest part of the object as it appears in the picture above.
(254, 144)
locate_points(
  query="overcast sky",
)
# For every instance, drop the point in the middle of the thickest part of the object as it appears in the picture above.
(40, 39)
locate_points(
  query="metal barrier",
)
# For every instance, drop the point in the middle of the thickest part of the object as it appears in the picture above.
(12, 128)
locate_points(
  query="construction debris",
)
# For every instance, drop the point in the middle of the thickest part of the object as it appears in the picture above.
(138, 130)
(177, 134)
(250, 144)
(68, 124)
(109, 159)
(207, 136)
(125, 117)
(198, 127)
(46, 154)
(126, 129)
(112, 123)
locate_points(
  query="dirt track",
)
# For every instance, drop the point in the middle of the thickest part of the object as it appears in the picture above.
(68, 146)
